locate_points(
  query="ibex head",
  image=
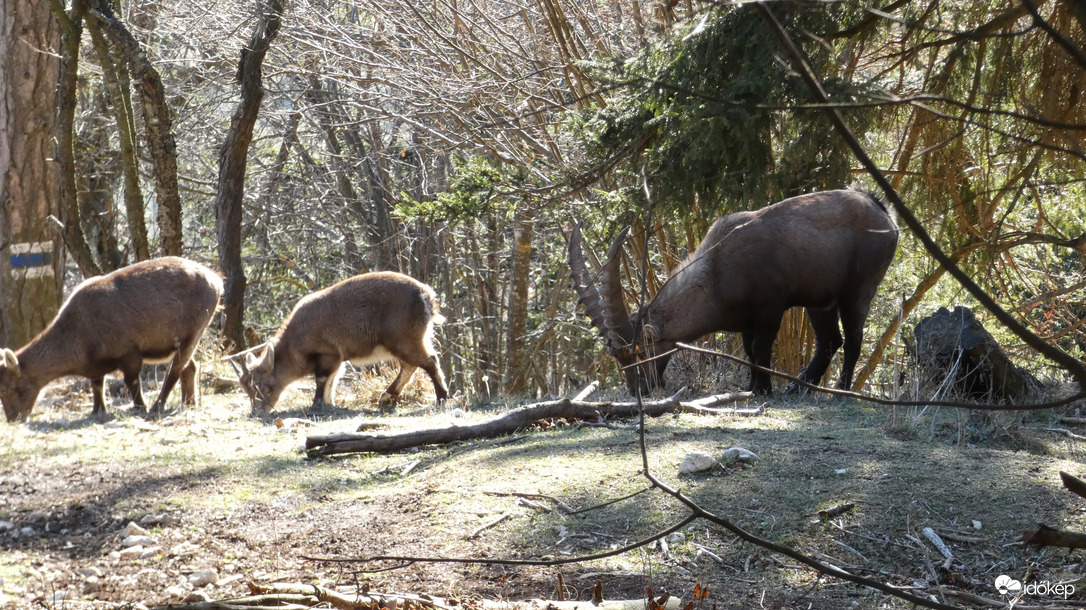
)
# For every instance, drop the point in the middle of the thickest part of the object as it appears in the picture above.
(17, 395)
(632, 340)
(256, 379)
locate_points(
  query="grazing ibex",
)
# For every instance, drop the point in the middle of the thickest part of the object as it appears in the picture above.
(824, 251)
(373, 317)
(151, 311)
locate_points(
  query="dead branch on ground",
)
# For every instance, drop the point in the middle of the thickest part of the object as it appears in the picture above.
(518, 419)
(285, 595)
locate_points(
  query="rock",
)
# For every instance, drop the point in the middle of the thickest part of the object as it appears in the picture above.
(132, 552)
(133, 529)
(741, 455)
(150, 552)
(202, 578)
(177, 591)
(161, 519)
(197, 597)
(696, 461)
(138, 540)
(90, 572)
(185, 548)
(26, 532)
(7, 526)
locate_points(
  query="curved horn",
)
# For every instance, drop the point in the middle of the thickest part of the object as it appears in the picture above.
(616, 318)
(587, 293)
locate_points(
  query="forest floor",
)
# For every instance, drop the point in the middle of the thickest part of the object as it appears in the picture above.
(225, 499)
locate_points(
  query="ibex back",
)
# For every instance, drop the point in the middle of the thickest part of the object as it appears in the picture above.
(152, 311)
(368, 318)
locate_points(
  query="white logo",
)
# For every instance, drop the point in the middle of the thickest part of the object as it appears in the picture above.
(1009, 586)
(1005, 584)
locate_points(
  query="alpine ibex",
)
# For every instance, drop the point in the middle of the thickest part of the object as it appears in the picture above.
(824, 251)
(149, 312)
(373, 317)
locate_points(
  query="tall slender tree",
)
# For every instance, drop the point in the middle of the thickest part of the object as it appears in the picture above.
(232, 162)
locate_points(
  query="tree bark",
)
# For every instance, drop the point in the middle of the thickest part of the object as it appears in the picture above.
(116, 81)
(1049, 536)
(98, 167)
(71, 26)
(516, 366)
(232, 162)
(30, 256)
(158, 121)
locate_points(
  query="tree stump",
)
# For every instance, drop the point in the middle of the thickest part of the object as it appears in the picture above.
(954, 343)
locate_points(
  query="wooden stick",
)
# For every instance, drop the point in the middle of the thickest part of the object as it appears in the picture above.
(589, 390)
(939, 544)
(489, 524)
(1047, 536)
(516, 419)
(1073, 484)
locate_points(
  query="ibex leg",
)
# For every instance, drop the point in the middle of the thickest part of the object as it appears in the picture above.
(180, 362)
(433, 369)
(392, 394)
(130, 368)
(98, 397)
(827, 342)
(326, 372)
(853, 316)
(759, 346)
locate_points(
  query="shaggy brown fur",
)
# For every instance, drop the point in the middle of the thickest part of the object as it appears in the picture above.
(152, 311)
(368, 318)
(824, 251)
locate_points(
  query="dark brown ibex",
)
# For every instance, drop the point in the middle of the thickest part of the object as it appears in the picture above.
(149, 312)
(373, 317)
(824, 251)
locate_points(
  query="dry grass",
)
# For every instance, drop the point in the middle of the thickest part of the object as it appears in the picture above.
(255, 507)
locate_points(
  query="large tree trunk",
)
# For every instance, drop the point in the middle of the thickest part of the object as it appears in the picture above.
(30, 256)
(232, 162)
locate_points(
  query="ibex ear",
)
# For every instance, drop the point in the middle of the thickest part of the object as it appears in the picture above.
(269, 357)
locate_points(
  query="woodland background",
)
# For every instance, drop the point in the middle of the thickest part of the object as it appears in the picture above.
(293, 144)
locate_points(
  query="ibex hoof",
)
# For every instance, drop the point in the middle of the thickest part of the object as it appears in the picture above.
(795, 388)
(387, 402)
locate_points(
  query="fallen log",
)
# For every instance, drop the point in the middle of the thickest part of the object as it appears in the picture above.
(1073, 484)
(517, 419)
(1048, 536)
(294, 595)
